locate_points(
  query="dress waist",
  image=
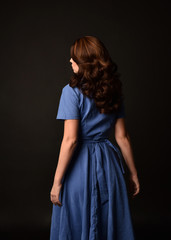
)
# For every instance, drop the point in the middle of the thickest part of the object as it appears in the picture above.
(90, 140)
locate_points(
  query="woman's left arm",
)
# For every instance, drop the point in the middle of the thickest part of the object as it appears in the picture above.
(68, 145)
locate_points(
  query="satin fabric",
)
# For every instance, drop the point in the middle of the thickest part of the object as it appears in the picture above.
(94, 195)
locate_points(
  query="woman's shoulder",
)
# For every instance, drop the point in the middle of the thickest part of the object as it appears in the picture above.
(71, 90)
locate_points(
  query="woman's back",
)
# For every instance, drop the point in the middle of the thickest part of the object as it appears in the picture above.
(93, 125)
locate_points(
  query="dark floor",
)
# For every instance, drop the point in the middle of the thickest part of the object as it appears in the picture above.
(141, 233)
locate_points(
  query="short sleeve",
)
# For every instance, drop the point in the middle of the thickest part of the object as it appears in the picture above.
(68, 104)
(121, 111)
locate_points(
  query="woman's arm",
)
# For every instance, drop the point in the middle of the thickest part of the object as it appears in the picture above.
(68, 145)
(124, 142)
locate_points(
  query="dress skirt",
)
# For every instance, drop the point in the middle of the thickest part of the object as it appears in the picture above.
(94, 196)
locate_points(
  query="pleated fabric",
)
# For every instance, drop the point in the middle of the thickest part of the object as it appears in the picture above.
(94, 194)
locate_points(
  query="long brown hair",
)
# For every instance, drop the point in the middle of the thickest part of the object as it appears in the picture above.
(97, 76)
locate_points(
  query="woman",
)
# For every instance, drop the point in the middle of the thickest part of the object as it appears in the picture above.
(89, 193)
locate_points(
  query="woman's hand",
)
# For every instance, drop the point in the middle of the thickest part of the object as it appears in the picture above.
(134, 184)
(54, 194)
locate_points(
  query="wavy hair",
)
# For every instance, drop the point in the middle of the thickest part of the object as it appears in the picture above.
(97, 76)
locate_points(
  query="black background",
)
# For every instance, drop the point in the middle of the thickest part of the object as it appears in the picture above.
(35, 43)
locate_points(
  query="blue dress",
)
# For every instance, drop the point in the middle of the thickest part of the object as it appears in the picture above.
(94, 194)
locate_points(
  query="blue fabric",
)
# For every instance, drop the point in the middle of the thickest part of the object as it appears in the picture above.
(94, 194)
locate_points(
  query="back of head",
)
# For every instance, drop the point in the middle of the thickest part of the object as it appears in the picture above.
(97, 76)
